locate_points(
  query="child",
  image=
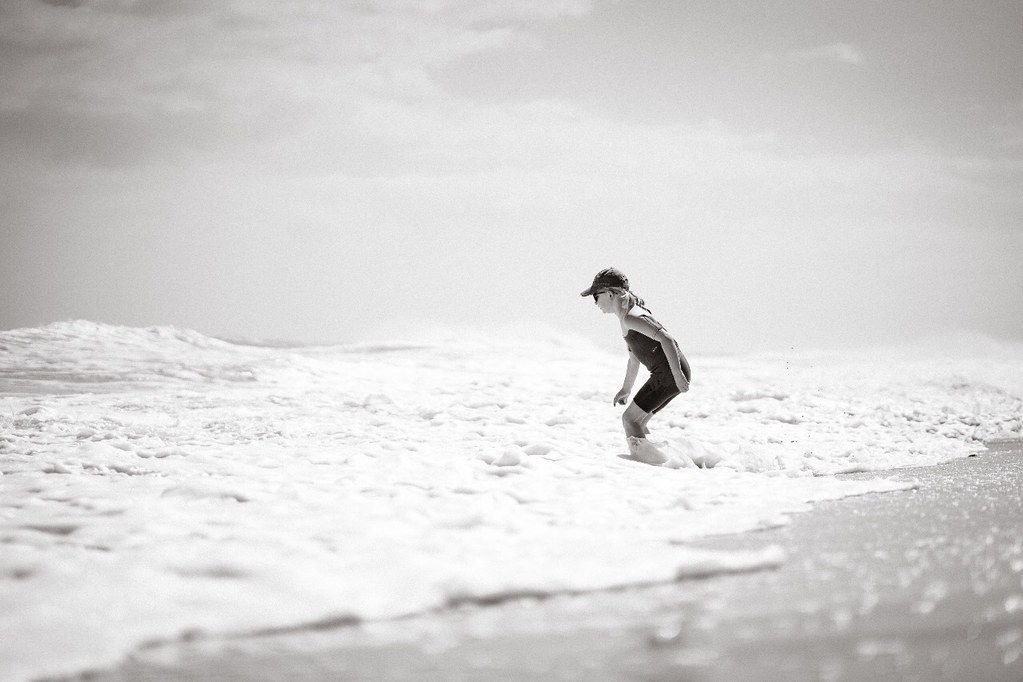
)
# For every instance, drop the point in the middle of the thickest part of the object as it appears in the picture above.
(649, 343)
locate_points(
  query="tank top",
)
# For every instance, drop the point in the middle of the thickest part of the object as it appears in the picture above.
(649, 352)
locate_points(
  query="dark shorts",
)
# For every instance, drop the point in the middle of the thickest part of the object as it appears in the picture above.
(657, 392)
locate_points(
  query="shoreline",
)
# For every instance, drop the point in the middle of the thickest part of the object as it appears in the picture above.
(924, 583)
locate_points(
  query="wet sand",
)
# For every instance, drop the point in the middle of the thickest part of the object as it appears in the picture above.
(925, 584)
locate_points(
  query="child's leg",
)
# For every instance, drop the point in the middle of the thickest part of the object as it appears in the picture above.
(634, 420)
(669, 392)
(657, 392)
(645, 421)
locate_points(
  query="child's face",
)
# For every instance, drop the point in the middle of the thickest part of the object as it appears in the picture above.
(603, 301)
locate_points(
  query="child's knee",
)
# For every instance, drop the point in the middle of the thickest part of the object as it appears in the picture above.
(633, 426)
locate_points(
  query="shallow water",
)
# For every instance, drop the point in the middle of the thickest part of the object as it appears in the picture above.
(925, 583)
(156, 482)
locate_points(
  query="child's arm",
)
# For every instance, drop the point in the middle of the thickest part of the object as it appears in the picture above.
(675, 359)
(630, 379)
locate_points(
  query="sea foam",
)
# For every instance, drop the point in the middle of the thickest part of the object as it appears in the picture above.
(157, 483)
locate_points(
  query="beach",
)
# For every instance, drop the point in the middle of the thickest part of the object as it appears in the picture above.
(462, 506)
(299, 379)
(922, 584)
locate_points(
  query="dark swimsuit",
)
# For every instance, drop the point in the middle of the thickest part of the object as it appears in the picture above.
(660, 388)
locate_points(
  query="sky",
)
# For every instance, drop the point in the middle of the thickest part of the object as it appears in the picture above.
(770, 175)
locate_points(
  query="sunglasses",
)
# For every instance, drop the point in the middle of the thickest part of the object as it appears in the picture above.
(597, 295)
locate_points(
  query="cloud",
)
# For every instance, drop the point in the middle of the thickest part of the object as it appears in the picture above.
(234, 77)
(327, 89)
(202, 149)
(835, 52)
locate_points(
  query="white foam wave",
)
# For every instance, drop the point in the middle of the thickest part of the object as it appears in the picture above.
(79, 355)
(220, 487)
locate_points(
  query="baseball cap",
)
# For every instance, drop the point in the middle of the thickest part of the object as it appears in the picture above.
(606, 279)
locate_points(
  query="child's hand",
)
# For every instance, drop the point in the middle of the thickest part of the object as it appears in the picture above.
(621, 396)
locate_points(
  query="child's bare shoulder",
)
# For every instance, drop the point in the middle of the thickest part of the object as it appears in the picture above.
(641, 320)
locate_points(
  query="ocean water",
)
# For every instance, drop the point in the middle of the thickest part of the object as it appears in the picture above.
(157, 483)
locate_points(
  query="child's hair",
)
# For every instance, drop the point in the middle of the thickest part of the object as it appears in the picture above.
(627, 299)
